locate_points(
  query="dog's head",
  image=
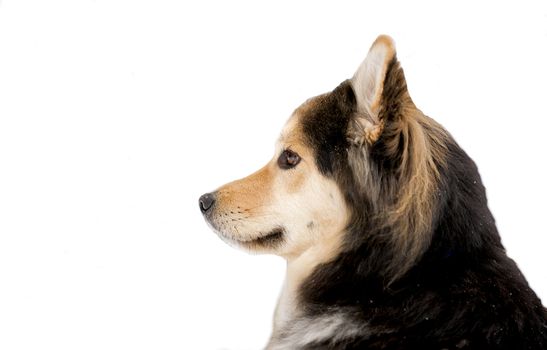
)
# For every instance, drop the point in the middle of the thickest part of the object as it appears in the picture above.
(284, 207)
(359, 160)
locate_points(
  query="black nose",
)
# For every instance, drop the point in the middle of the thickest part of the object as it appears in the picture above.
(206, 201)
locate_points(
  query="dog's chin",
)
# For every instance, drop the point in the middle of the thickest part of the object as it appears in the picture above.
(262, 242)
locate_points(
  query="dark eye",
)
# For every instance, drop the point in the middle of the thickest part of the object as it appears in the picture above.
(288, 159)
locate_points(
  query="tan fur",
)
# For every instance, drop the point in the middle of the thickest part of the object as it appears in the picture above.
(410, 216)
(405, 206)
(251, 193)
(308, 205)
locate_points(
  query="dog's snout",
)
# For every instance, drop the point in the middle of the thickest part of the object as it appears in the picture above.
(206, 202)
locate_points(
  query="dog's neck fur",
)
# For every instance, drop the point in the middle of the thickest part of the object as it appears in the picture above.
(298, 269)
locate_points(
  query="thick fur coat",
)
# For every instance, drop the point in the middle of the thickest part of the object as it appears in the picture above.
(401, 251)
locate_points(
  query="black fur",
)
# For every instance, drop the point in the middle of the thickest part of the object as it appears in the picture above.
(463, 292)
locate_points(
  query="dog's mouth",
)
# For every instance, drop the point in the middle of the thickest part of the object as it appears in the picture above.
(272, 238)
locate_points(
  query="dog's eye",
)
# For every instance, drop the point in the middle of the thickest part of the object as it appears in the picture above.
(288, 159)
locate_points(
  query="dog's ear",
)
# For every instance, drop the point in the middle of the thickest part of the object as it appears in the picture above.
(378, 86)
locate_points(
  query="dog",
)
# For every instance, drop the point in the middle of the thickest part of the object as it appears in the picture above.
(384, 224)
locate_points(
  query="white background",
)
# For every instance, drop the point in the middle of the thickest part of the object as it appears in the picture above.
(115, 116)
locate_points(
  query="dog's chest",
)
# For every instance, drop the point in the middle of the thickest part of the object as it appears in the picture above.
(303, 332)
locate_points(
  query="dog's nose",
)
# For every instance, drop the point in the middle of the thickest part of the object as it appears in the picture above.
(206, 202)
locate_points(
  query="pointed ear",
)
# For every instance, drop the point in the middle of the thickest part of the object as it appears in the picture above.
(368, 86)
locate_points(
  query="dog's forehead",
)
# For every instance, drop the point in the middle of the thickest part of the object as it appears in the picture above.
(293, 131)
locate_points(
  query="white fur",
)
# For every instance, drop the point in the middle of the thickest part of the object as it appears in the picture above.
(304, 331)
